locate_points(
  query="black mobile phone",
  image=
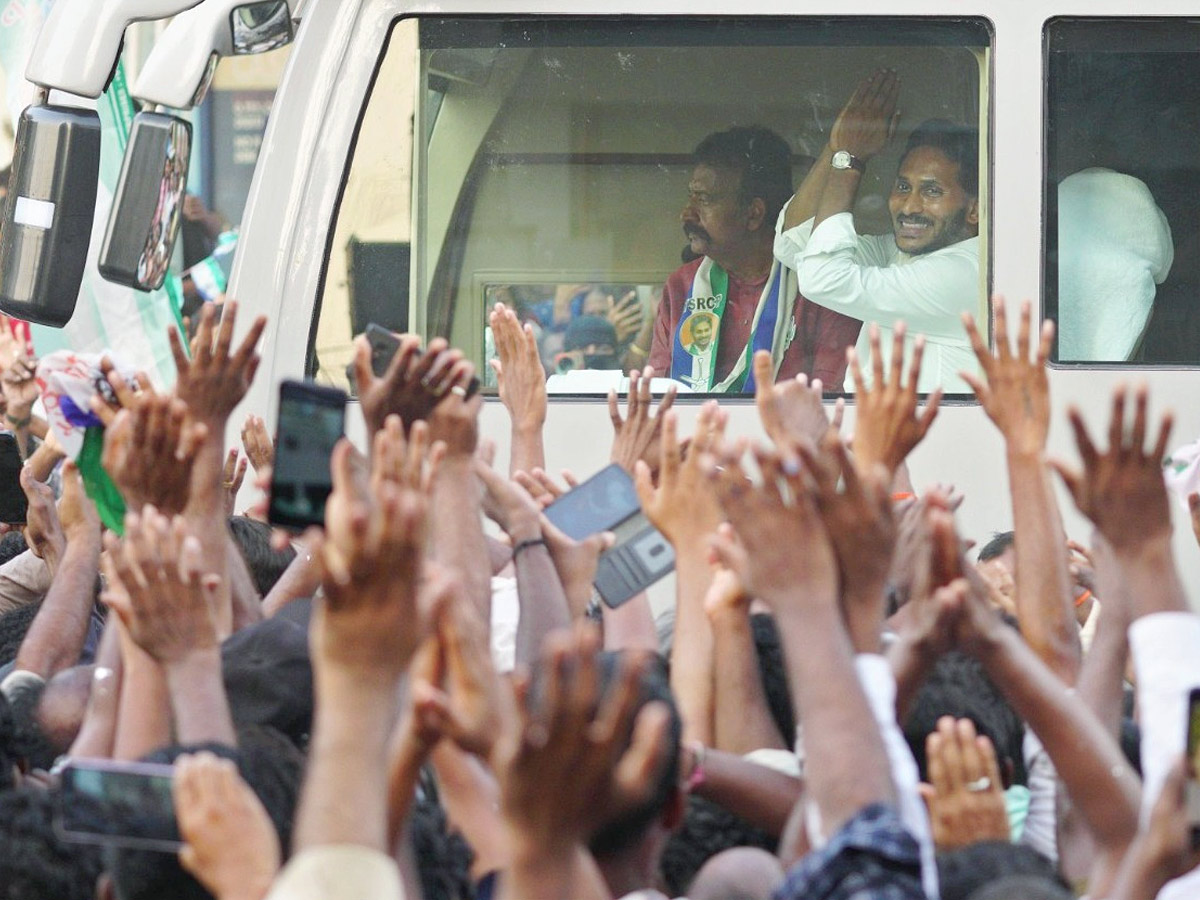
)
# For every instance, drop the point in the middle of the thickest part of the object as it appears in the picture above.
(601, 503)
(384, 345)
(312, 419)
(14, 505)
(1193, 764)
(633, 565)
(122, 804)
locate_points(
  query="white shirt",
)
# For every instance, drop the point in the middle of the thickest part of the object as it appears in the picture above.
(1163, 647)
(870, 278)
(338, 872)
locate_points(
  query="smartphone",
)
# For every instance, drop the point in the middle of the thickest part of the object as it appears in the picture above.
(1193, 765)
(633, 565)
(312, 419)
(384, 344)
(601, 503)
(14, 505)
(121, 804)
(608, 501)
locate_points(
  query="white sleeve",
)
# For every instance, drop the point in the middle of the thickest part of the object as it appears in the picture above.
(1041, 822)
(338, 872)
(853, 275)
(1165, 654)
(879, 684)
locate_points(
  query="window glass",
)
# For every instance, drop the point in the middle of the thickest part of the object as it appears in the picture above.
(556, 173)
(1122, 176)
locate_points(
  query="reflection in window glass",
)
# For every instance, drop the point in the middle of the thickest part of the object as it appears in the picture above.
(1122, 175)
(617, 183)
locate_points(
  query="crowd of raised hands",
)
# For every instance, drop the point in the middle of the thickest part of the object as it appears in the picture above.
(423, 699)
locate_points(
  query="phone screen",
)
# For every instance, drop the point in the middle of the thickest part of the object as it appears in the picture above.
(601, 503)
(311, 421)
(1193, 763)
(122, 804)
(14, 505)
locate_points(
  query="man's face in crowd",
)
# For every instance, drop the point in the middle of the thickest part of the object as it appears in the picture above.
(701, 333)
(714, 219)
(930, 210)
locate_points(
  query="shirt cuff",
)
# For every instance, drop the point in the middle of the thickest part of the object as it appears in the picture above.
(338, 872)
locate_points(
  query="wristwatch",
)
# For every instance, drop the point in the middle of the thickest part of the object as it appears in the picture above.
(844, 159)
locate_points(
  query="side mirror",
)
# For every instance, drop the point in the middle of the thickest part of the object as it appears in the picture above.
(148, 208)
(260, 27)
(48, 215)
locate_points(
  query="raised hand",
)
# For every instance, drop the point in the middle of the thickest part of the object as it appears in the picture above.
(369, 624)
(567, 764)
(216, 378)
(868, 120)
(783, 555)
(413, 384)
(790, 411)
(542, 486)
(43, 531)
(520, 378)
(683, 506)
(1121, 489)
(230, 844)
(638, 436)
(121, 394)
(626, 317)
(966, 797)
(408, 463)
(862, 528)
(76, 512)
(887, 426)
(149, 450)
(257, 443)
(455, 419)
(1015, 392)
(232, 476)
(154, 585)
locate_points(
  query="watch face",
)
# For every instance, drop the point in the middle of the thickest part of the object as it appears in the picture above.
(842, 159)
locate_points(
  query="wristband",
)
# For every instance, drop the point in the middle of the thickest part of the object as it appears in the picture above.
(525, 545)
(901, 495)
(1083, 598)
(19, 423)
(638, 350)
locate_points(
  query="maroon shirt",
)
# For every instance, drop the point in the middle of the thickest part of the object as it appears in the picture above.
(818, 349)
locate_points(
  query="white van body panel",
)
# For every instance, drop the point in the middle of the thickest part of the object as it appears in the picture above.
(304, 159)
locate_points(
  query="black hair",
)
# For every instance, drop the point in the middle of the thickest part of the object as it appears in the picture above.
(957, 686)
(442, 856)
(35, 864)
(9, 759)
(773, 671)
(629, 828)
(253, 540)
(963, 872)
(26, 741)
(14, 625)
(999, 543)
(958, 143)
(12, 545)
(1023, 887)
(761, 156)
(269, 764)
(708, 829)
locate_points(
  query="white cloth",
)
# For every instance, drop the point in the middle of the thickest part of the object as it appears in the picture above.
(1114, 247)
(879, 684)
(870, 278)
(338, 872)
(24, 579)
(506, 614)
(1166, 657)
(1041, 822)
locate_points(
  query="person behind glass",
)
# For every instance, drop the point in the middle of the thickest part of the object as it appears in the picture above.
(740, 181)
(926, 272)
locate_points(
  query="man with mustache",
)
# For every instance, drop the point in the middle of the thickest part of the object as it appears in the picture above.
(926, 273)
(733, 298)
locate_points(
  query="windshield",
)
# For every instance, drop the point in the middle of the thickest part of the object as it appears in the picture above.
(618, 183)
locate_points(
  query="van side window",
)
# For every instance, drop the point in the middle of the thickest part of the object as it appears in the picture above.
(1122, 173)
(622, 184)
